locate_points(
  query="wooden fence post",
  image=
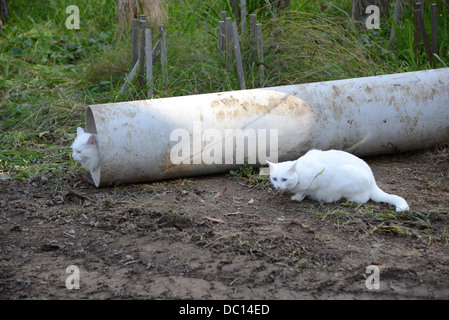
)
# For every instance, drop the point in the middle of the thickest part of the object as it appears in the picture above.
(222, 33)
(235, 6)
(163, 54)
(228, 33)
(421, 34)
(434, 14)
(224, 15)
(242, 16)
(238, 57)
(221, 36)
(145, 55)
(416, 36)
(141, 77)
(260, 54)
(396, 14)
(135, 35)
(252, 26)
(228, 28)
(149, 61)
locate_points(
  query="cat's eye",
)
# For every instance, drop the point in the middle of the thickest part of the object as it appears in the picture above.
(283, 179)
(275, 179)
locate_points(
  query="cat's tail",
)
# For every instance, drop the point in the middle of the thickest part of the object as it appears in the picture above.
(378, 195)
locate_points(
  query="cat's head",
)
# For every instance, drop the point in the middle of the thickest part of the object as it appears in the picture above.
(283, 175)
(85, 149)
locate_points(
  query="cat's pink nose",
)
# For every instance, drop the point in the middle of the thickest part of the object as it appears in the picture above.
(278, 187)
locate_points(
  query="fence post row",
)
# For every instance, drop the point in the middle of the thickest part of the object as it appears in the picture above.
(143, 55)
(421, 34)
(228, 39)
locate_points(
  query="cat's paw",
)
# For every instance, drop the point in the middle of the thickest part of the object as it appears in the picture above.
(402, 208)
(298, 197)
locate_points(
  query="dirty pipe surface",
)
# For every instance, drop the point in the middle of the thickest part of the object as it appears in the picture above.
(213, 133)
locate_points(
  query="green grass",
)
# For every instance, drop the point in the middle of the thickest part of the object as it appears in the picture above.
(250, 175)
(362, 218)
(49, 74)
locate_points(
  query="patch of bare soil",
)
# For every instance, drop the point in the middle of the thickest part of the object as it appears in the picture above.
(219, 237)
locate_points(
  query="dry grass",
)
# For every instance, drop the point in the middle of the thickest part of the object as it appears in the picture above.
(132, 9)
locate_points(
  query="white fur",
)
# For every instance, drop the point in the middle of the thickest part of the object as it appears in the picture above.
(330, 176)
(85, 150)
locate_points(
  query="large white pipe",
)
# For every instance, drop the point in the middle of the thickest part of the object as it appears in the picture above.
(145, 140)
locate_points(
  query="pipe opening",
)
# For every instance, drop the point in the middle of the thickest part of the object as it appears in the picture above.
(91, 127)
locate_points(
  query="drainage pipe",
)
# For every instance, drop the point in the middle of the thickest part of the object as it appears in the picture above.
(202, 134)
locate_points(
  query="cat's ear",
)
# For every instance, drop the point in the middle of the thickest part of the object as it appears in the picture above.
(92, 139)
(293, 167)
(79, 131)
(271, 164)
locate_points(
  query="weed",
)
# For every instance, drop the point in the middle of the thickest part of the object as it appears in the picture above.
(249, 174)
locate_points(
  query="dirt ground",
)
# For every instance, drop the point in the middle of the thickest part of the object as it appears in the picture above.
(219, 237)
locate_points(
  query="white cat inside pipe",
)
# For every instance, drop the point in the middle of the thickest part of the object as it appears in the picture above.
(166, 138)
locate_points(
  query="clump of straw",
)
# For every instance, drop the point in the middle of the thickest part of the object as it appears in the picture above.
(129, 9)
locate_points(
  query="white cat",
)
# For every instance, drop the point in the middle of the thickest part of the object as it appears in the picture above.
(85, 150)
(330, 176)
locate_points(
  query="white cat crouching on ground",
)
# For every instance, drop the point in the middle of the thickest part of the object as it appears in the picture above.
(330, 176)
(85, 150)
